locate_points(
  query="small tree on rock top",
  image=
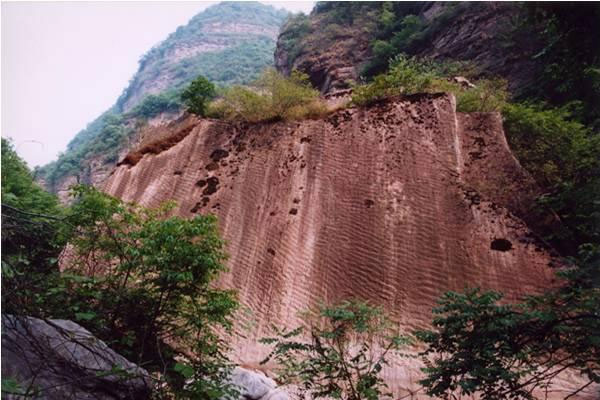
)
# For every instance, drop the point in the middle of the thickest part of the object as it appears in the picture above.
(197, 95)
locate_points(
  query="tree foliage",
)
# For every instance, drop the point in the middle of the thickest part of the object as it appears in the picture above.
(569, 59)
(480, 345)
(197, 95)
(28, 237)
(155, 104)
(348, 345)
(562, 155)
(18, 188)
(139, 279)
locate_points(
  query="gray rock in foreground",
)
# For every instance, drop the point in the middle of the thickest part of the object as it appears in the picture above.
(256, 385)
(59, 359)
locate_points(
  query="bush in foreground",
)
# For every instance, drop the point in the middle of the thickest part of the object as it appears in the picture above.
(346, 348)
(482, 346)
(137, 278)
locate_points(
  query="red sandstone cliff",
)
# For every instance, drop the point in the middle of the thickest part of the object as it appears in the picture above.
(396, 203)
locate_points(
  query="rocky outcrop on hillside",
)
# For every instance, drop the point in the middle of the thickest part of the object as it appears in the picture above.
(59, 359)
(485, 34)
(332, 53)
(395, 203)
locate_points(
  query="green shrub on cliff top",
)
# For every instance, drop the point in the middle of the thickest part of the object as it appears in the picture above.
(272, 97)
(407, 75)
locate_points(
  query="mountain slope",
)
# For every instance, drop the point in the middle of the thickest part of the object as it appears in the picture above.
(230, 43)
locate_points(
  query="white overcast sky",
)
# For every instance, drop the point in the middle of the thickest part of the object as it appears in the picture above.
(64, 63)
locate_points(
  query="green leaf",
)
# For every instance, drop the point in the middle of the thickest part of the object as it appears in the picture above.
(184, 369)
(85, 316)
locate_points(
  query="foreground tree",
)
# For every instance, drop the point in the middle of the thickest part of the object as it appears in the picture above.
(151, 278)
(138, 279)
(348, 345)
(502, 351)
(30, 241)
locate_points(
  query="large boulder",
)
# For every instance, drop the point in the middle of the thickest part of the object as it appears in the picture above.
(59, 359)
(255, 385)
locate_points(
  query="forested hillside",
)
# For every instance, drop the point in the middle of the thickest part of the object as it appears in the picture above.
(229, 43)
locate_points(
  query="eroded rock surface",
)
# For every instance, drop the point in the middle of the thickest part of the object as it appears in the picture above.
(396, 203)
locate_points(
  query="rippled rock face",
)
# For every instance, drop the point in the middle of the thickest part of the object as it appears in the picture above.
(396, 203)
(59, 359)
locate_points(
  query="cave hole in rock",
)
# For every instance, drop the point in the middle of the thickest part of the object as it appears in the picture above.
(218, 154)
(501, 245)
(212, 185)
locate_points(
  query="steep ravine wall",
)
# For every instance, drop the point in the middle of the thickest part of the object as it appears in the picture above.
(396, 203)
